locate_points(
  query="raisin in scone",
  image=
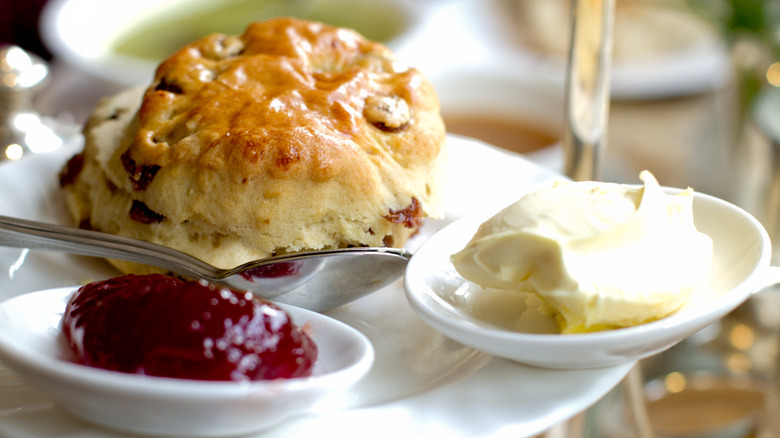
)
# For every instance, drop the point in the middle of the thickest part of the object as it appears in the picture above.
(293, 136)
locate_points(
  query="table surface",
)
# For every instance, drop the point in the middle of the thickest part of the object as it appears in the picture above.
(685, 140)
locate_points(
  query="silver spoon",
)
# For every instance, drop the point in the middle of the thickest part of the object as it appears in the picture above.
(315, 280)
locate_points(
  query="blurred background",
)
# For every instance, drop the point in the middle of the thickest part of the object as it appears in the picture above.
(695, 98)
(19, 25)
(685, 72)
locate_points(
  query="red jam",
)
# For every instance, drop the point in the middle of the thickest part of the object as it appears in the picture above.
(274, 270)
(162, 326)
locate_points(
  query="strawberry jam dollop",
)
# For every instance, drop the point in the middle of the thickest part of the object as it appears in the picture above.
(161, 326)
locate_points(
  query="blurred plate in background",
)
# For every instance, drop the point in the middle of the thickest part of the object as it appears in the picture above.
(122, 42)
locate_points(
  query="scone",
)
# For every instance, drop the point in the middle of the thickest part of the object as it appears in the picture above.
(293, 136)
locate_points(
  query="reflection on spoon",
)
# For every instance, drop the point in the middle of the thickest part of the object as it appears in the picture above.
(314, 280)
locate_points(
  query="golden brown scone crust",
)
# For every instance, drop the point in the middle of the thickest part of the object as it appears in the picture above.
(292, 136)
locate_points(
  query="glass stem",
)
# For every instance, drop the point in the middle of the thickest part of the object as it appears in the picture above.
(587, 88)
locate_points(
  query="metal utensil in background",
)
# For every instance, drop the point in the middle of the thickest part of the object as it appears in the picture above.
(587, 88)
(585, 131)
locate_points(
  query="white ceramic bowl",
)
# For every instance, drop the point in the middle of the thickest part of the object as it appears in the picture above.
(31, 344)
(740, 265)
(85, 33)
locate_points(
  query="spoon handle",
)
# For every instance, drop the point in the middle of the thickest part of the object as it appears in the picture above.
(22, 233)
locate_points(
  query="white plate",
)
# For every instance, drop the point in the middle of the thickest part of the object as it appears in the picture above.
(742, 253)
(32, 344)
(421, 384)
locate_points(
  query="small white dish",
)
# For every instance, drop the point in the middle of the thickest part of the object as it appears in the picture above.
(31, 344)
(449, 303)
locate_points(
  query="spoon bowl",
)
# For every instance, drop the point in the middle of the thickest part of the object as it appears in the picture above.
(315, 280)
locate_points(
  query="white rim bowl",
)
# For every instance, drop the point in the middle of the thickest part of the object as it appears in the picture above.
(741, 256)
(32, 345)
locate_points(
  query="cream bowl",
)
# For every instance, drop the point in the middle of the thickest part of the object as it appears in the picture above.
(449, 303)
(31, 344)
